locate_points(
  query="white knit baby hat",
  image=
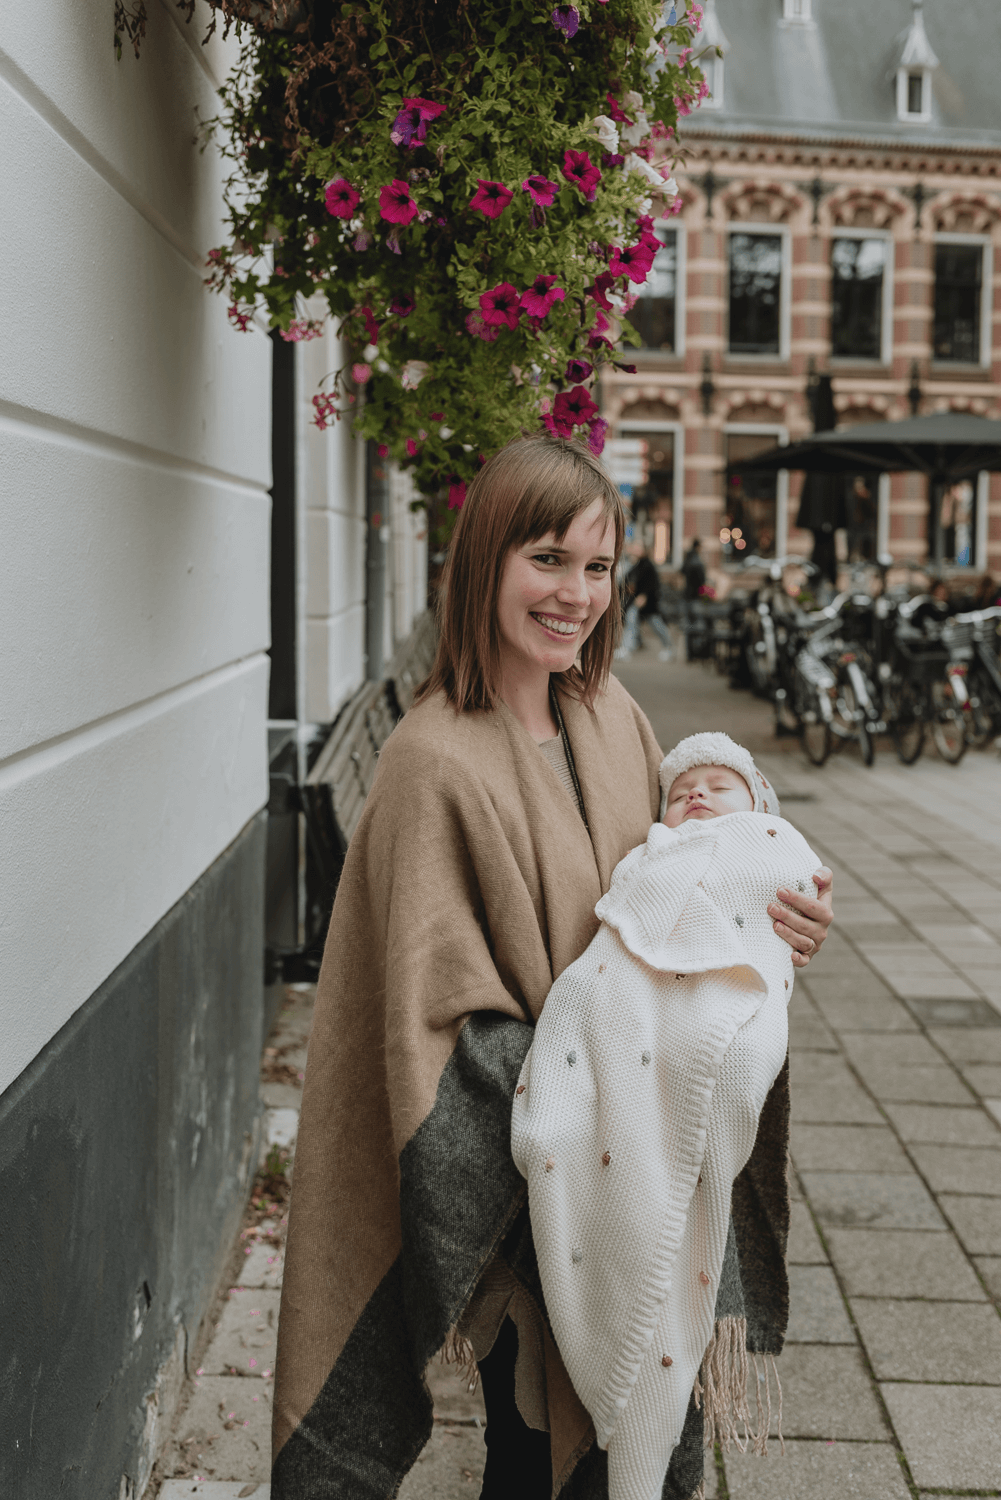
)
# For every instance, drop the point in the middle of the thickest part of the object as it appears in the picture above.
(719, 750)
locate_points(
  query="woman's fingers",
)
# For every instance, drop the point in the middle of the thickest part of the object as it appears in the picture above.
(804, 927)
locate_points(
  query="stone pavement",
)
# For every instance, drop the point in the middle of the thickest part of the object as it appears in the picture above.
(891, 1374)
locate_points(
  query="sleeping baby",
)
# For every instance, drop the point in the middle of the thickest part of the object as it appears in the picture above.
(638, 1105)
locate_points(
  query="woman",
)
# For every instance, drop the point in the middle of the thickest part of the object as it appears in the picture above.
(502, 803)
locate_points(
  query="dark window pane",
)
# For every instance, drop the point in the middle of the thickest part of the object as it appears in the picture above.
(755, 290)
(654, 313)
(751, 509)
(857, 298)
(957, 302)
(915, 93)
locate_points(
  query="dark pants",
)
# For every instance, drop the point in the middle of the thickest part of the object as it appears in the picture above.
(519, 1462)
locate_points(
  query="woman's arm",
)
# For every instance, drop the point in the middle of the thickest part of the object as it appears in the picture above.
(805, 927)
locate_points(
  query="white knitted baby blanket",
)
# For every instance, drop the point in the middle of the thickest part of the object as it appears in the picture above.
(638, 1105)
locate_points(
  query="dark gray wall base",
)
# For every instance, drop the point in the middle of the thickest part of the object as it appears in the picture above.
(126, 1150)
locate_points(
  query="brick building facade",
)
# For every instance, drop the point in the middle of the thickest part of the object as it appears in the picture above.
(808, 242)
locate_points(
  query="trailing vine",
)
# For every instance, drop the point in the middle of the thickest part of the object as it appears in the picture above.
(468, 191)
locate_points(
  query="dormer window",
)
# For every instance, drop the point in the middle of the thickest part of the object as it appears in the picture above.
(914, 70)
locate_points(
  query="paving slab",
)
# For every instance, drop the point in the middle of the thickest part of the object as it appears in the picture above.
(984, 1078)
(993, 1107)
(977, 1221)
(450, 1468)
(453, 1400)
(929, 986)
(817, 1312)
(826, 1393)
(824, 1091)
(818, 1471)
(871, 1200)
(263, 1267)
(960, 1169)
(225, 1433)
(867, 1012)
(989, 1267)
(941, 1341)
(903, 1084)
(954, 1012)
(808, 1032)
(974, 1044)
(847, 1148)
(944, 1125)
(804, 1248)
(951, 1435)
(903, 1263)
(246, 1337)
(214, 1489)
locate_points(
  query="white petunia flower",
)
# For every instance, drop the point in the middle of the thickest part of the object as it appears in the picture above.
(607, 132)
(413, 373)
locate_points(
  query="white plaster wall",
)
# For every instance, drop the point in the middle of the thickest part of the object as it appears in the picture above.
(134, 469)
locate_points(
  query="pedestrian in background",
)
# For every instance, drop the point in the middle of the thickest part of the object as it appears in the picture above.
(642, 606)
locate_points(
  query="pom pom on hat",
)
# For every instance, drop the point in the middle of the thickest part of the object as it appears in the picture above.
(719, 750)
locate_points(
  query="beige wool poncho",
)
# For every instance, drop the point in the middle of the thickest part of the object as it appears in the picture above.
(469, 887)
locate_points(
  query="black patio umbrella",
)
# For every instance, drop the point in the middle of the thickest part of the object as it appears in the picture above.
(948, 447)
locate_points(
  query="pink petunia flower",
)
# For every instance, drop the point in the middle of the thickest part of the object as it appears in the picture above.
(383, 450)
(456, 494)
(361, 373)
(500, 306)
(301, 330)
(566, 18)
(599, 291)
(395, 202)
(610, 159)
(581, 173)
(402, 305)
(634, 261)
(490, 198)
(597, 427)
(541, 190)
(578, 370)
(410, 127)
(362, 240)
(616, 112)
(541, 296)
(477, 325)
(371, 326)
(412, 448)
(341, 198)
(574, 406)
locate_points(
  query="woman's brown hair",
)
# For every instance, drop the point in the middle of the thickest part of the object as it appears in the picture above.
(534, 487)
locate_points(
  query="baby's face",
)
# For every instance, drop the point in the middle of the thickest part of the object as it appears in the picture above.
(706, 792)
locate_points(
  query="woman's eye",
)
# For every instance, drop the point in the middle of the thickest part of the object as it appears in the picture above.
(598, 567)
(544, 557)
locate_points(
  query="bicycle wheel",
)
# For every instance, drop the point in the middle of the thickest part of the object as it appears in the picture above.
(817, 741)
(947, 727)
(907, 724)
(849, 719)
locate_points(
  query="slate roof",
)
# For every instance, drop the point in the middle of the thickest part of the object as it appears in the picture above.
(834, 78)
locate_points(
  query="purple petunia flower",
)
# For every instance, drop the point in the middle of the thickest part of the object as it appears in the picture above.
(578, 370)
(634, 261)
(540, 296)
(541, 191)
(610, 159)
(500, 306)
(599, 291)
(490, 198)
(566, 18)
(410, 127)
(371, 326)
(478, 326)
(341, 198)
(395, 202)
(597, 427)
(402, 305)
(575, 405)
(580, 172)
(616, 112)
(456, 494)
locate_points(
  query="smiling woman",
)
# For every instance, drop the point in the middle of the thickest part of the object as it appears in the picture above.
(502, 804)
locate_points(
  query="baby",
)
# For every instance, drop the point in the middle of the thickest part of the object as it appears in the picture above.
(638, 1105)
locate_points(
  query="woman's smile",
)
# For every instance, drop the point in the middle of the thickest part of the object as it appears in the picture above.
(557, 624)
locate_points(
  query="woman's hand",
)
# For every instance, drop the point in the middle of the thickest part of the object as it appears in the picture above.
(805, 927)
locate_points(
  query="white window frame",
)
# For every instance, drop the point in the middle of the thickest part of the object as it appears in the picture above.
(680, 289)
(797, 11)
(714, 71)
(785, 293)
(886, 311)
(903, 113)
(781, 436)
(629, 425)
(986, 300)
